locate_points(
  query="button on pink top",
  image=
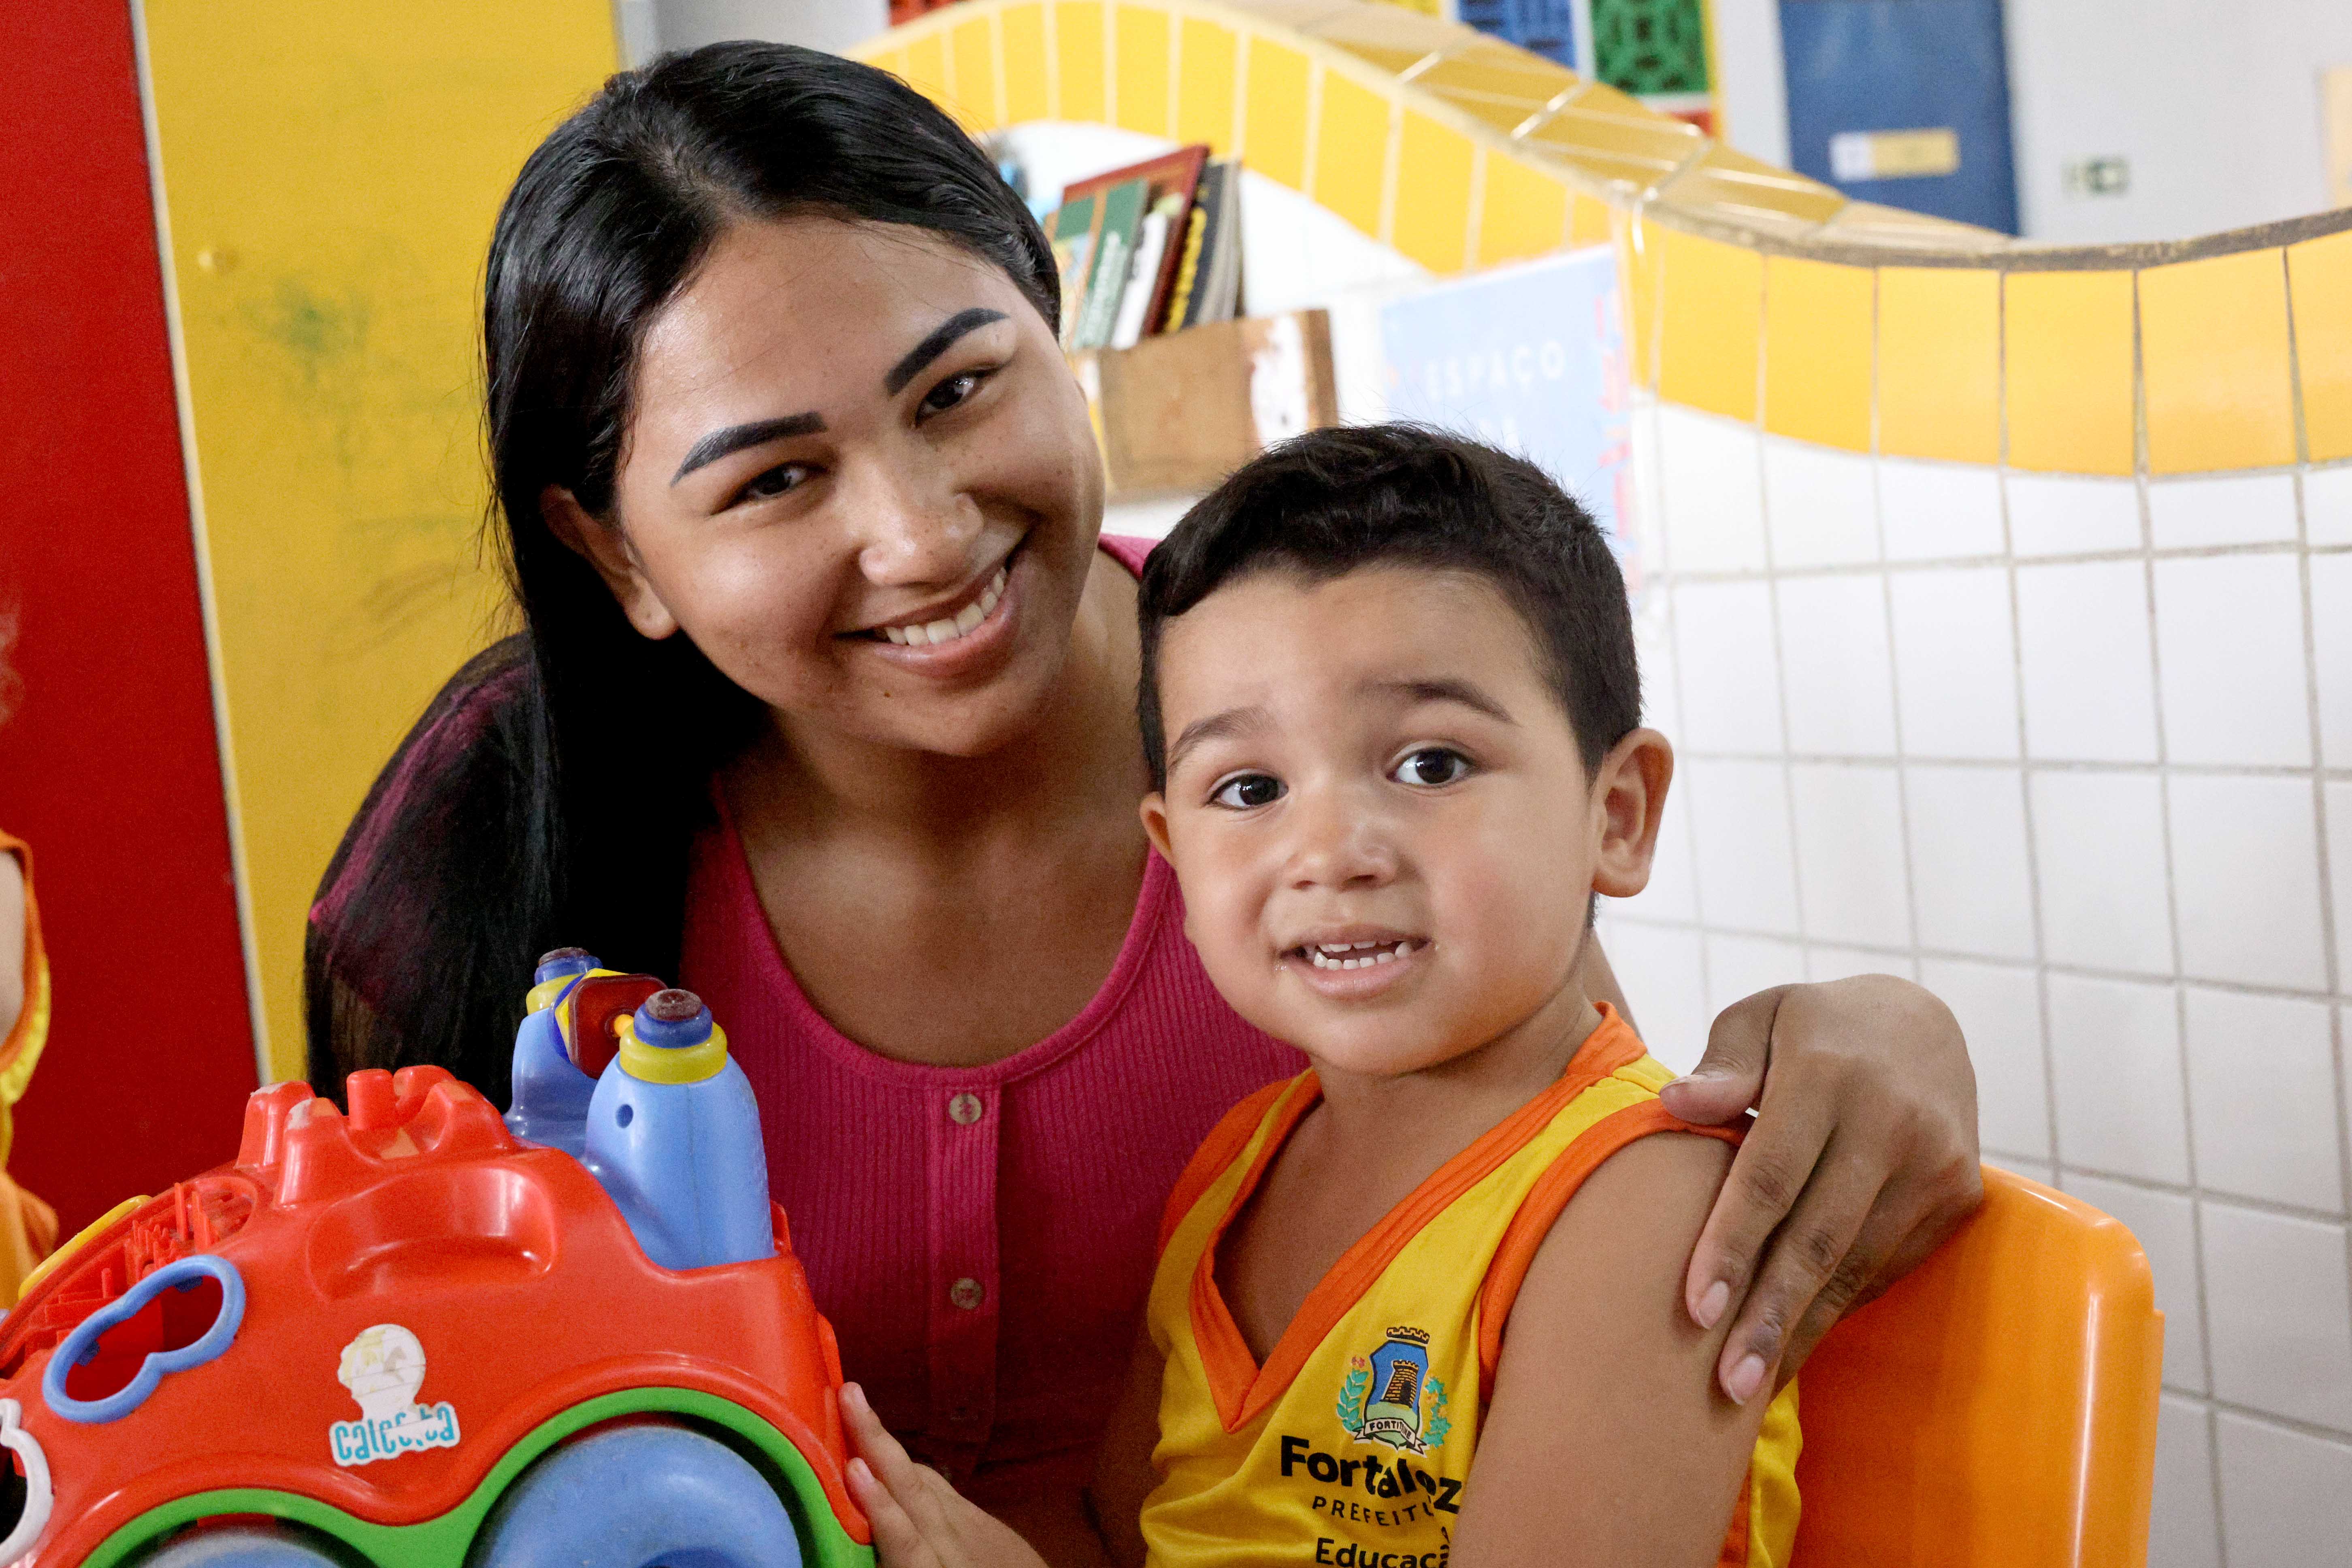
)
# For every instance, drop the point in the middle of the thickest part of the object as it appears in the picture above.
(981, 1238)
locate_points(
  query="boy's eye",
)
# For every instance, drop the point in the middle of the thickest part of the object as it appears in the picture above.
(1430, 765)
(1244, 791)
(776, 481)
(955, 389)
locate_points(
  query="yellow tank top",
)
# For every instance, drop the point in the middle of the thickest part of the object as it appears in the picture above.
(1352, 1443)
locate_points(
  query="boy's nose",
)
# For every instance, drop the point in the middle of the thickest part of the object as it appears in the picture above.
(1338, 843)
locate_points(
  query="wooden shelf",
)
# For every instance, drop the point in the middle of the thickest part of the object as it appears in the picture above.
(1175, 415)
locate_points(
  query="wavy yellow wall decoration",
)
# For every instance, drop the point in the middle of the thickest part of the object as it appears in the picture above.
(1755, 293)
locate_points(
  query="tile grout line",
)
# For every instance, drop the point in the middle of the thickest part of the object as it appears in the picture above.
(1772, 601)
(1666, 582)
(2006, 960)
(2024, 752)
(2141, 464)
(2329, 916)
(1894, 674)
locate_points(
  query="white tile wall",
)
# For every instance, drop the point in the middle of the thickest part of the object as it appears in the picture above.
(2076, 752)
(1839, 673)
(2068, 514)
(2282, 1326)
(1850, 872)
(2245, 859)
(2286, 1497)
(2261, 1074)
(2115, 1049)
(2228, 638)
(1971, 872)
(1818, 505)
(1713, 490)
(2083, 648)
(2328, 505)
(1935, 511)
(2223, 509)
(1955, 662)
(1999, 1009)
(2331, 632)
(1730, 680)
(2184, 1531)
(2099, 839)
(1747, 866)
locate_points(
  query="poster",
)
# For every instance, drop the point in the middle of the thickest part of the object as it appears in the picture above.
(1530, 359)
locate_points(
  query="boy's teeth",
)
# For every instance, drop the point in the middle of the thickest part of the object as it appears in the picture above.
(1355, 955)
(926, 633)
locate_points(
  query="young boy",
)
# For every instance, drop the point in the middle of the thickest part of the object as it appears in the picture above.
(1422, 1305)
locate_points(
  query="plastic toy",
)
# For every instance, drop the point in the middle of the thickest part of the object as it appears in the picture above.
(417, 1334)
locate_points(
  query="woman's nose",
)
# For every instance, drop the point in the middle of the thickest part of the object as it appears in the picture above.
(916, 525)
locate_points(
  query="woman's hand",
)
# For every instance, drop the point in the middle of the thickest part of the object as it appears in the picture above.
(1863, 1158)
(920, 1520)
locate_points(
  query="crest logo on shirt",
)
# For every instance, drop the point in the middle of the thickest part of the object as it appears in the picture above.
(1389, 1396)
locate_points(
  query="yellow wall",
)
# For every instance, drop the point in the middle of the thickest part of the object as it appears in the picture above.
(1755, 293)
(329, 175)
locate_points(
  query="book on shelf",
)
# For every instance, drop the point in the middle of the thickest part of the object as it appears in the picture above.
(1114, 262)
(1148, 248)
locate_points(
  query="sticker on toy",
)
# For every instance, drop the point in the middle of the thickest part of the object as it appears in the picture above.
(384, 1367)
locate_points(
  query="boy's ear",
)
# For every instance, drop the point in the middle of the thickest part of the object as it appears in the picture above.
(1629, 793)
(1154, 811)
(609, 551)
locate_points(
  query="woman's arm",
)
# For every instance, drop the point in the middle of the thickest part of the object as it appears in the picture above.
(1862, 1160)
(1606, 1443)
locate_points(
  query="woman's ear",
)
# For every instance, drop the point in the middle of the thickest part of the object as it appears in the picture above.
(1629, 793)
(615, 560)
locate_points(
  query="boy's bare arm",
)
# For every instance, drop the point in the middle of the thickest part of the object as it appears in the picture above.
(1123, 1472)
(1607, 1442)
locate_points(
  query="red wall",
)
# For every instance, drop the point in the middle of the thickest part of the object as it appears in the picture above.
(109, 767)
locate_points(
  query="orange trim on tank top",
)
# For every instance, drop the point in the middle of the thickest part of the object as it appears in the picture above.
(1243, 1389)
(1220, 1149)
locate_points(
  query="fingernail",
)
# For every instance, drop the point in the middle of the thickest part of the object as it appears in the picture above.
(1745, 1379)
(854, 1394)
(860, 1470)
(1709, 1310)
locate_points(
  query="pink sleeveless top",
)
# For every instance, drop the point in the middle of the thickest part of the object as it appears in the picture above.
(981, 1238)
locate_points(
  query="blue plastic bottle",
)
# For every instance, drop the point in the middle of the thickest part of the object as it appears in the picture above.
(551, 1095)
(674, 1135)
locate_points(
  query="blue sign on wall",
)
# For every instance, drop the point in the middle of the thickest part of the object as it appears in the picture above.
(1861, 70)
(1530, 359)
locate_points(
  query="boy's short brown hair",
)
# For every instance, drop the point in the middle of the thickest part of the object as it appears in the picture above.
(1334, 501)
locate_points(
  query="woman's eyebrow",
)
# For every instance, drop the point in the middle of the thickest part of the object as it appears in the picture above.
(735, 438)
(932, 347)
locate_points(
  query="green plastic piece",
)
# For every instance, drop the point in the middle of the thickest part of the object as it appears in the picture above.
(443, 1543)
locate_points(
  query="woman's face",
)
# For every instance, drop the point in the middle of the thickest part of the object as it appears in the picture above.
(860, 476)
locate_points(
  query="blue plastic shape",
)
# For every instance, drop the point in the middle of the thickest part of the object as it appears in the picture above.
(82, 1343)
(550, 1093)
(685, 1162)
(630, 1497)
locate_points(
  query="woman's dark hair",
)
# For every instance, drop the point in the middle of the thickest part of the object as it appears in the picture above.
(550, 795)
(1334, 501)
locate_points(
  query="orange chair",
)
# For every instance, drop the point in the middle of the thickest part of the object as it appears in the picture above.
(1997, 1407)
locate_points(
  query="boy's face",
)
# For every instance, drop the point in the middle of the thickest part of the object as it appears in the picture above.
(1379, 815)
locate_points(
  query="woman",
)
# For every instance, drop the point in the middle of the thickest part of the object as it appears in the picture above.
(825, 705)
